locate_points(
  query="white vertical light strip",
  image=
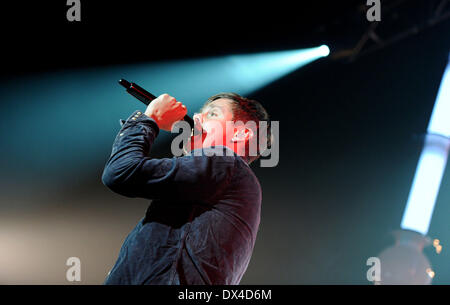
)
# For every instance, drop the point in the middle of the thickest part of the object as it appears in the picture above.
(440, 118)
(425, 187)
(432, 162)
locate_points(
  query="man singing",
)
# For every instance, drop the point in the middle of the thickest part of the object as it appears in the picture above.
(202, 223)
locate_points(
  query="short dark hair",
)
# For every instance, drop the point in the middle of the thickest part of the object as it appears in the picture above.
(245, 110)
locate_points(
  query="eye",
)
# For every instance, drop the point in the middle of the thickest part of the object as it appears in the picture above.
(212, 113)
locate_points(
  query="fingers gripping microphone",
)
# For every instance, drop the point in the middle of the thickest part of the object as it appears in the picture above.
(146, 97)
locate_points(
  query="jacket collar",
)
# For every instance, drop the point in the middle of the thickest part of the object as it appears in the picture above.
(219, 150)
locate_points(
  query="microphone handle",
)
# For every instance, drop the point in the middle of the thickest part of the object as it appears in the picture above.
(146, 97)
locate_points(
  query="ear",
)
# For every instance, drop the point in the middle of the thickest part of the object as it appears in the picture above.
(243, 134)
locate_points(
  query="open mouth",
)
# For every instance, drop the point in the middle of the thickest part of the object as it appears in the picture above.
(198, 136)
(198, 129)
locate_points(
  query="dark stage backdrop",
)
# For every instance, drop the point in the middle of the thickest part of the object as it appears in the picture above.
(350, 139)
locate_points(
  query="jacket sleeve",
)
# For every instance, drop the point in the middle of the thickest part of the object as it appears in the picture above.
(131, 172)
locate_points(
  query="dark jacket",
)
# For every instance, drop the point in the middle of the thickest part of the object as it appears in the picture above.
(202, 222)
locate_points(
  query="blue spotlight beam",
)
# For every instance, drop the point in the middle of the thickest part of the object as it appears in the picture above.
(430, 169)
(64, 122)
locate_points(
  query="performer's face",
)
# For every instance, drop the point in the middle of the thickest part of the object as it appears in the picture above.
(211, 124)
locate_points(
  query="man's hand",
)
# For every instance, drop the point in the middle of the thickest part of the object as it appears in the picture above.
(165, 110)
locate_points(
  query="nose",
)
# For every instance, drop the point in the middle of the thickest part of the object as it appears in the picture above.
(198, 118)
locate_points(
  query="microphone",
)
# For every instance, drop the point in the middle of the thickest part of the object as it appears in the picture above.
(146, 97)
